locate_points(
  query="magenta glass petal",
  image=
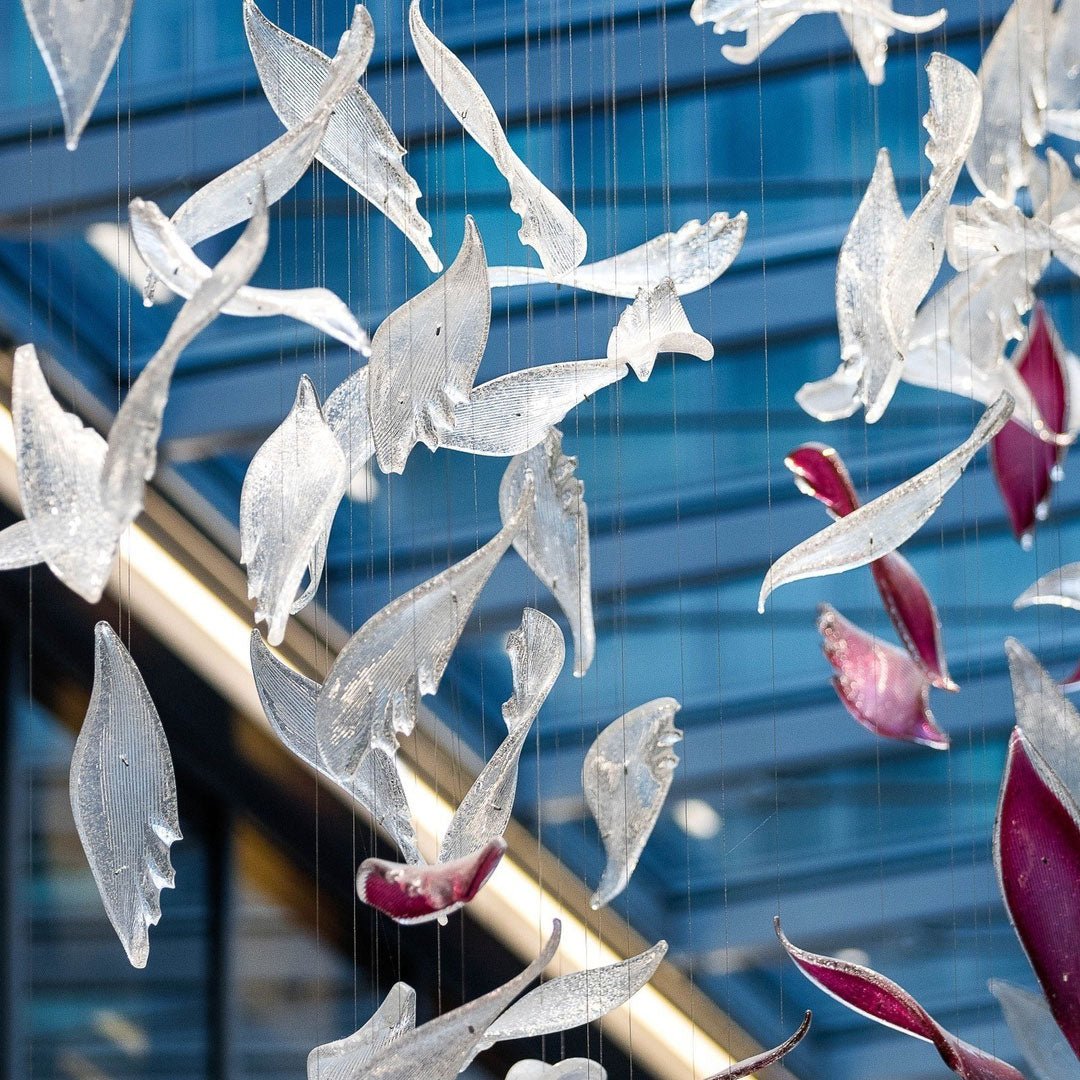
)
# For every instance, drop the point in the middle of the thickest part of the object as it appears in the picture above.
(820, 473)
(879, 684)
(766, 1057)
(416, 894)
(881, 999)
(1037, 854)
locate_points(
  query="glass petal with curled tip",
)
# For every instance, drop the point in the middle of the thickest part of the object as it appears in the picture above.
(512, 414)
(569, 1069)
(879, 684)
(79, 41)
(1035, 1032)
(554, 540)
(766, 1058)
(358, 145)
(346, 411)
(868, 24)
(345, 1059)
(412, 894)
(573, 1000)
(441, 1048)
(546, 224)
(626, 777)
(370, 696)
(693, 258)
(173, 261)
(229, 199)
(1060, 587)
(123, 796)
(882, 525)
(288, 700)
(536, 652)
(1037, 857)
(425, 355)
(880, 999)
(654, 323)
(291, 492)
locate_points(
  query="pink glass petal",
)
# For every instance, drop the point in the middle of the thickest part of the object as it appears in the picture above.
(820, 473)
(1037, 854)
(879, 684)
(416, 894)
(767, 1057)
(882, 1000)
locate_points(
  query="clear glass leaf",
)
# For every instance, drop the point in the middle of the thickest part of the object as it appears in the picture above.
(1060, 586)
(358, 145)
(1036, 1033)
(554, 540)
(570, 1069)
(883, 524)
(346, 411)
(79, 41)
(694, 257)
(766, 1058)
(345, 1059)
(123, 796)
(1063, 72)
(626, 777)
(18, 548)
(546, 224)
(425, 355)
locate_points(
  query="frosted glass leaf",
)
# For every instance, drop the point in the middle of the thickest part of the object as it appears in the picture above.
(358, 144)
(536, 652)
(18, 547)
(767, 1057)
(346, 411)
(546, 224)
(291, 492)
(868, 24)
(440, 1049)
(570, 1069)
(123, 796)
(654, 323)
(229, 199)
(289, 701)
(512, 414)
(1063, 72)
(1060, 586)
(425, 355)
(554, 540)
(79, 41)
(1036, 1033)
(579, 998)
(370, 696)
(882, 525)
(626, 777)
(172, 260)
(344, 1059)
(694, 257)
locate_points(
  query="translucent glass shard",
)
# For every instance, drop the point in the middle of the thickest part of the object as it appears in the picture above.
(570, 1069)
(554, 540)
(1036, 1034)
(345, 1059)
(536, 652)
(358, 145)
(79, 41)
(626, 777)
(546, 224)
(882, 525)
(425, 355)
(123, 796)
(767, 1057)
(693, 258)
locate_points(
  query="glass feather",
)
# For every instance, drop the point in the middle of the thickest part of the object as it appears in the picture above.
(626, 778)
(569, 1069)
(345, 1059)
(358, 145)
(1035, 1032)
(123, 796)
(766, 1058)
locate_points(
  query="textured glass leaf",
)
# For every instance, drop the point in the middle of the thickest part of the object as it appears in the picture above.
(880, 685)
(693, 258)
(1037, 856)
(570, 1069)
(512, 414)
(766, 1057)
(346, 411)
(1035, 1032)
(370, 696)
(654, 323)
(358, 144)
(554, 541)
(626, 777)
(1063, 72)
(172, 260)
(546, 224)
(291, 492)
(345, 1059)
(425, 355)
(536, 652)
(78, 40)
(123, 796)
(868, 23)
(18, 548)
(880, 999)
(882, 525)
(289, 700)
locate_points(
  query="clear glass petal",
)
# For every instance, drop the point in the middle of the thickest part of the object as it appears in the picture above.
(1036, 1033)
(570, 1069)
(1060, 586)
(18, 548)
(345, 1059)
